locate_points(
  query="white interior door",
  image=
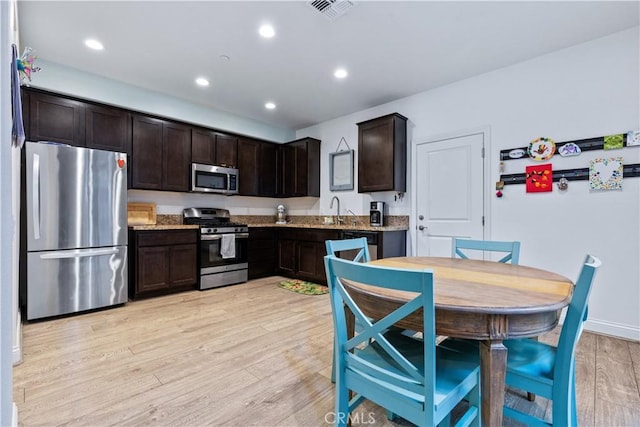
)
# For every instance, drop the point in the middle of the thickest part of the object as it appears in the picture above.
(449, 193)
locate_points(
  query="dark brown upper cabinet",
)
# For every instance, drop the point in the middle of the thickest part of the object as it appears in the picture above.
(50, 117)
(108, 128)
(53, 118)
(300, 168)
(161, 154)
(214, 148)
(382, 154)
(248, 167)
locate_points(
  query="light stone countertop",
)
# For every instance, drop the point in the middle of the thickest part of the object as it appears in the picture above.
(163, 227)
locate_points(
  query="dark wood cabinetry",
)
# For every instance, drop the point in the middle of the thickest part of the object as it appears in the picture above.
(161, 154)
(50, 117)
(248, 165)
(382, 154)
(262, 251)
(162, 261)
(300, 168)
(53, 118)
(108, 128)
(301, 253)
(214, 148)
(268, 177)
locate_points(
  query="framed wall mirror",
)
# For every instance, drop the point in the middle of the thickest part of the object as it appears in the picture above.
(341, 170)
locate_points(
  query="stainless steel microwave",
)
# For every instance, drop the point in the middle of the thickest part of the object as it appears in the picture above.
(214, 179)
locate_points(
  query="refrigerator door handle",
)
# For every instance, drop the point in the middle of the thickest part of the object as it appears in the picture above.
(36, 196)
(78, 253)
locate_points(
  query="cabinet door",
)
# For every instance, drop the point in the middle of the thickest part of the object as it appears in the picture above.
(308, 255)
(375, 156)
(183, 261)
(288, 171)
(382, 156)
(146, 153)
(56, 119)
(300, 170)
(248, 167)
(269, 170)
(287, 256)
(226, 150)
(176, 156)
(203, 146)
(152, 265)
(108, 129)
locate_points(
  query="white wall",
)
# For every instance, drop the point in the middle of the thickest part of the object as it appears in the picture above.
(585, 91)
(8, 222)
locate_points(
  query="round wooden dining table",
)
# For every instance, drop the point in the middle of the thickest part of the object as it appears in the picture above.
(480, 300)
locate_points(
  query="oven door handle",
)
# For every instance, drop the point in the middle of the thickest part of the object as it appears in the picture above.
(211, 237)
(219, 236)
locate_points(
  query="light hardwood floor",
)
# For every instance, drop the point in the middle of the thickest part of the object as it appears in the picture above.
(250, 354)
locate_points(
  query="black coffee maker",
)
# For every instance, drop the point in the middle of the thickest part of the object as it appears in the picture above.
(376, 214)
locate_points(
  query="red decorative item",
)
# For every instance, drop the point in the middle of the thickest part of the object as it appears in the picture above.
(539, 178)
(120, 163)
(498, 193)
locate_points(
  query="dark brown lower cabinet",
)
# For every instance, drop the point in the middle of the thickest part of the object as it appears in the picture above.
(262, 252)
(162, 261)
(301, 253)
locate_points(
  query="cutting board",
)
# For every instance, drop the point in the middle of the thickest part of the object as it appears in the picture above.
(141, 214)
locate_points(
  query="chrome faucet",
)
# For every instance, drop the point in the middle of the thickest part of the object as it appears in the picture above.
(338, 219)
(354, 220)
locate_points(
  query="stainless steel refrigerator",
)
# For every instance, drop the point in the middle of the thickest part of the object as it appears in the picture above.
(76, 229)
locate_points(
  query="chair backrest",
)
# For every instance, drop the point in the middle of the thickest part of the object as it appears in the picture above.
(512, 248)
(575, 317)
(359, 244)
(407, 378)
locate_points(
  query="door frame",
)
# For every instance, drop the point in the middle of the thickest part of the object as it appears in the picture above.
(486, 178)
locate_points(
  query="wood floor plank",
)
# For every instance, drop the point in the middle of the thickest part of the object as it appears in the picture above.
(250, 354)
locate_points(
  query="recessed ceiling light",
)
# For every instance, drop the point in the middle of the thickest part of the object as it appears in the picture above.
(267, 31)
(340, 73)
(270, 106)
(201, 81)
(93, 44)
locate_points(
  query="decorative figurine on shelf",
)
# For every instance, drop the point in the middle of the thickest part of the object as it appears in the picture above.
(25, 65)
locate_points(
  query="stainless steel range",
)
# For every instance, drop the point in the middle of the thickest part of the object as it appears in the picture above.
(222, 249)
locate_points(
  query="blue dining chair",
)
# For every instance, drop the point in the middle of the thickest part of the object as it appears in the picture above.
(334, 247)
(405, 376)
(511, 248)
(541, 368)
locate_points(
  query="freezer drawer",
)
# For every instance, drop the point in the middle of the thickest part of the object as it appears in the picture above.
(69, 281)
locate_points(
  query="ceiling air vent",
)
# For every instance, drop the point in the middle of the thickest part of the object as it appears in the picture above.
(332, 9)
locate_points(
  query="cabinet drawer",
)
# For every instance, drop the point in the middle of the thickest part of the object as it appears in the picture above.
(167, 237)
(262, 233)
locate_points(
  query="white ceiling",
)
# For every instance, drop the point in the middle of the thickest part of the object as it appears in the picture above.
(391, 49)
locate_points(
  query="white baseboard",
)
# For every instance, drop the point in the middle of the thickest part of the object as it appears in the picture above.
(613, 329)
(14, 415)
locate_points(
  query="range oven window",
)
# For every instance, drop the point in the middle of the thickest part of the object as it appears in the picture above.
(212, 256)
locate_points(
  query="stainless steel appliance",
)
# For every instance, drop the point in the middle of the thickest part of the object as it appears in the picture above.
(376, 214)
(372, 243)
(222, 250)
(214, 179)
(76, 229)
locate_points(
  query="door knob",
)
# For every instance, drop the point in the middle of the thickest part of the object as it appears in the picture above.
(421, 227)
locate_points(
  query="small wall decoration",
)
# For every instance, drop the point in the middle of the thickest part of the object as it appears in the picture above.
(613, 142)
(541, 149)
(606, 173)
(25, 64)
(341, 168)
(569, 149)
(539, 178)
(633, 138)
